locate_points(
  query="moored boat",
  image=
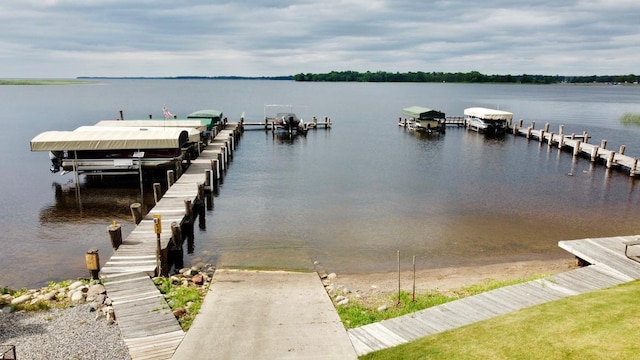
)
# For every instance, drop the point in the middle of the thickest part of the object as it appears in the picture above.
(424, 120)
(487, 121)
(286, 121)
(116, 150)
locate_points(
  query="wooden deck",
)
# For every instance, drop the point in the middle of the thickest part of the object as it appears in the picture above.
(146, 322)
(609, 267)
(579, 146)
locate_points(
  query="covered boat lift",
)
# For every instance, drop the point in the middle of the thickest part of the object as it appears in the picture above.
(424, 119)
(488, 121)
(116, 150)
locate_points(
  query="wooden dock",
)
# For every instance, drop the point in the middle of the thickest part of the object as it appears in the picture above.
(146, 322)
(578, 145)
(608, 266)
(270, 125)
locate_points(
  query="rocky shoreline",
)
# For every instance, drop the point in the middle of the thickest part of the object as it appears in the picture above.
(73, 319)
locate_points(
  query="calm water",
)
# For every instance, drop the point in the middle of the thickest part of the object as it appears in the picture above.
(349, 197)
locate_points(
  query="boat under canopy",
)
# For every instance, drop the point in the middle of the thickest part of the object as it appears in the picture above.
(422, 113)
(488, 114)
(208, 117)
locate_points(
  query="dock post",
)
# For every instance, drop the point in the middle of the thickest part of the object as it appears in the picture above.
(157, 192)
(121, 115)
(560, 140)
(216, 173)
(201, 211)
(633, 169)
(266, 124)
(576, 149)
(520, 123)
(528, 132)
(546, 127)
(188, 219)
(561, 130)
(610, 159)
(136, 212)
(585, 137)
(225, 156)
(594, 153)
(171, 179)
(550, 139)
(176, 254)
(92, 261)
(622, 149)
(603, 144)
(328, 124)
(533, 125)
(115, 234)
(541, 138)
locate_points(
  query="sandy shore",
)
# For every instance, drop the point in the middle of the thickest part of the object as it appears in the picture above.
(381, 284)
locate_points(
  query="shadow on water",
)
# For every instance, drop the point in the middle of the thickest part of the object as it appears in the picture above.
(102, 199)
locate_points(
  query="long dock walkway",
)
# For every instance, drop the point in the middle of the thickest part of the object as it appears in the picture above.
(609, 267)
(579, 146)
(146, 322)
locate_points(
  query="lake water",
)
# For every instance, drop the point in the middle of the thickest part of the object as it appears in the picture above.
(349, 197)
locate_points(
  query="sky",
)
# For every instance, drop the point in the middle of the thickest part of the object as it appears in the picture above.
(118, 38)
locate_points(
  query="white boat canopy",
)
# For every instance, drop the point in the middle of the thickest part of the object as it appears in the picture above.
(422, 113)
(195, 124)
(488, 114)
(101, 138)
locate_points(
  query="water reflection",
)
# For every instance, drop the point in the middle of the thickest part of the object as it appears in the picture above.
(96, 201)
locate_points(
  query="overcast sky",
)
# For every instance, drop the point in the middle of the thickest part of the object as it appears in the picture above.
(70, 38)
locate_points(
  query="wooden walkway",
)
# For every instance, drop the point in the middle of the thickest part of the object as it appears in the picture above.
(609, 267)
(579, 146)
(146, 322)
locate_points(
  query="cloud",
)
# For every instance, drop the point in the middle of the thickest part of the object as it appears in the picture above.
(68, 38)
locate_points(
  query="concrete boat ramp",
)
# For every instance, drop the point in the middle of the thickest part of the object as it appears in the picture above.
(266, 315)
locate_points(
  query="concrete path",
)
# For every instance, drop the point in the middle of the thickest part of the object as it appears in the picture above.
(266, 315)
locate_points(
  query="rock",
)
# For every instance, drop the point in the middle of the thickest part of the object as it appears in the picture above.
(50, 296)
(340, 298)
(179, 312)
(346, 291)
(76, 285)
(332, 276)
(95, 290)
(197, 279)
(77, 296)
(7, 310)
(343, 302)
(382, 308)
(21, 299)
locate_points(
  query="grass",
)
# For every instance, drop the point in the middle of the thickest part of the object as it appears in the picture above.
(184, 301)
(597, 325)
(57, 303)
(630, 119)
(358, 313)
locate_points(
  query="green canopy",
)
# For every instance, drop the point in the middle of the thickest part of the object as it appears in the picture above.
(422, 113)
(209, 117)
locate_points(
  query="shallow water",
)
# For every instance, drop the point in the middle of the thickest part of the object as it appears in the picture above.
(349, 197)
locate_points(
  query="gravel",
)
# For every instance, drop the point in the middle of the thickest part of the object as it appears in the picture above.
(71, 333)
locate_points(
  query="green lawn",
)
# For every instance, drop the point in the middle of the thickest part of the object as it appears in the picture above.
(603, 324)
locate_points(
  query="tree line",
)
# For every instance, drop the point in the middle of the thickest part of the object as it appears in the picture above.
(460, 77)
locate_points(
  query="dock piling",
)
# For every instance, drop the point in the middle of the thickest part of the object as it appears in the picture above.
(157, 192)
(115, 234)
(136, 212)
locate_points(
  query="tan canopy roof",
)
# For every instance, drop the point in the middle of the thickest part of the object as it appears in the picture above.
(101, 138)
(488, 114)
(195, 124)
